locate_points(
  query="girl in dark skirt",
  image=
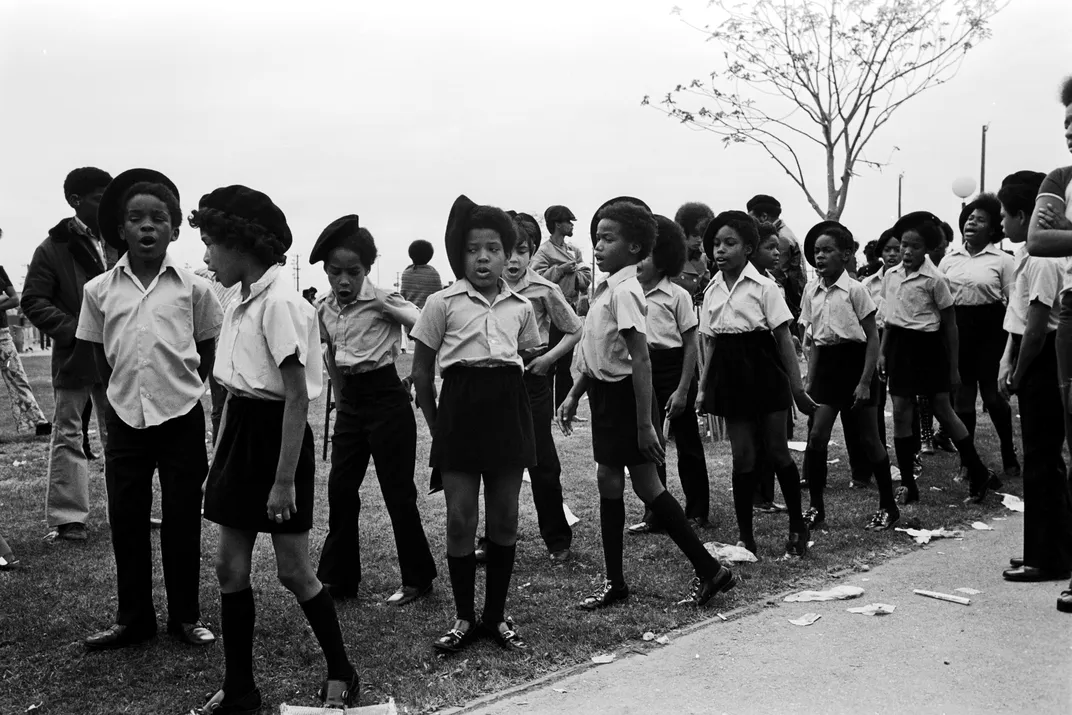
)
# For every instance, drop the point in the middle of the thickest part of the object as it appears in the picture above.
(980, 276)
(919, 350)
(751, 375)
(261, 479)
(482, 425)
(841, 377)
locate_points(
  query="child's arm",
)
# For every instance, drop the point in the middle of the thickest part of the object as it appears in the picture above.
(1005, 369)
(1038, 315)
(103, 368)
(568, 409)
(789, 359)
(401, 311)
(9, 300)
(424, 381)
(811, 351)
(282, 500)
(328, 346)
(680, 397)
(206, 350)
(708, 348)
(863, 390)
(542, 364)
(565, 319)
(647, 436)
(883, 349)
(952, 345)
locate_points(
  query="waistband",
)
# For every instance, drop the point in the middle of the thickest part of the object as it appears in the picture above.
(244, 404)
(985, 309)
(378, 374)
(469, 371)
(753, 337)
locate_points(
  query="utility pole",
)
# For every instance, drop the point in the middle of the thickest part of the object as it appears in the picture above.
(900, 192)
(982, 162)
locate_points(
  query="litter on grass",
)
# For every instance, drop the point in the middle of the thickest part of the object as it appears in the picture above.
(835, 460)
(387, 708)
(837, 593)
(942, 596)
(603, 658)
(874, 609)
(798, 446)
(649, 636)
(981, 526)
(525, 477)
(571, 518)
(1012, 502)
(663, 640)
(730, 554)
(895, 473)
(924, 536)
(806, 620)
(969, 591)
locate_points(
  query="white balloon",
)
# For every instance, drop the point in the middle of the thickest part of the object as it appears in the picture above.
(964, 187)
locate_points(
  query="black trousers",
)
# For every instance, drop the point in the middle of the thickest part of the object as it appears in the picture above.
(374, 420)
(559, 375)
(666, 366)
(1047, 501)
(176, 449)
(547, 474)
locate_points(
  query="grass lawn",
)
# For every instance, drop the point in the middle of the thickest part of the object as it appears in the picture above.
(65, 591)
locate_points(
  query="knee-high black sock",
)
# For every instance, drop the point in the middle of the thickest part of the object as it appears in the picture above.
(237, 616)
(968, 418)
(789, 480)
(672, 517)
(742, 505)
(320, 612)
(612, 529)
(1002, 419)
(463, 583)
(500, 569)
(977, 471)
(884, 480)
(815, 464)
(905, 450)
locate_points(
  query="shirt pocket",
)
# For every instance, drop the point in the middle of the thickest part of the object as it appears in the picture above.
(174, 324)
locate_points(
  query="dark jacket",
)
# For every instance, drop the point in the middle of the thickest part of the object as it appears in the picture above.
(52, 301)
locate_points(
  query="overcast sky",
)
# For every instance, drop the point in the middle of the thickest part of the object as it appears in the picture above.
(390, 109)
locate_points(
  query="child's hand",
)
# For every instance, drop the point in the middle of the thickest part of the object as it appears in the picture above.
(804, 402)
(650, 446)
(675, 406)
(282, 502)
(539, 366)
(700, 395)
(860, 395)
(1004, 375)
(881, 367)
(566, 411)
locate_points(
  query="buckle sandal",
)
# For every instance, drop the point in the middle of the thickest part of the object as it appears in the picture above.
(906, 495)
(607, 595)
(702, 590)
(506, 635)
(456, 639)
(811, 518)
(341, 693)
(797, 546)
(248, 704)
(883, 520)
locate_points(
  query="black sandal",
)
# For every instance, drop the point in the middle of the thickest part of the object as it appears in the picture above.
(507, 638)
(609, 594)
(456, 639)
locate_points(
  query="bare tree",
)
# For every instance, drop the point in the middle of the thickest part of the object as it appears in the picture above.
(824, 76)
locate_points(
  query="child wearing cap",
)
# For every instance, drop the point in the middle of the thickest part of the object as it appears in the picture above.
(153, 326)
(361, 325)
(751, 372)
(263, 470)
(481, 425)
(615, 370)
(672, 347)
(919, 350)
(840, 316)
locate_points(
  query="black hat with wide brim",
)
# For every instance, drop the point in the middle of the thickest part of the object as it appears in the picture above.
(624, 199)
(723, 219)
(110, 213)
(813, 235)
(457, 227)
(919, 221)
(339, 230)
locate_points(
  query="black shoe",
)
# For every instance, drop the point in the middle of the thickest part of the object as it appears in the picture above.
(749, 544)
(561, 556)
(196, 633)
(907, 495)
(979, 485)
(703, 590)
(341, 694)
(942, 441)
(505, 634)
(607, 595)
(248, 704)
(118, 636)
(927, 447)
(645, 527)
(1016, 561)
(859, 484)
(993, 483)
(1064, 601)
(456, 638)
(797, 546)
(813, 518)
(883, 520)
(697, 523)
(339, 593)
(408, 594)
(767, 507)
(1030, 574)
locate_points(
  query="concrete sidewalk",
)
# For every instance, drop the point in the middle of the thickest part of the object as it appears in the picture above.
(1010, 651)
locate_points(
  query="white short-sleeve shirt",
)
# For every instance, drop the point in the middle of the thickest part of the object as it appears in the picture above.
(755, 302)
(1037, 280)
(980, 279)
(670, 314)
(835, 314)
(618, 305)
(915, 301)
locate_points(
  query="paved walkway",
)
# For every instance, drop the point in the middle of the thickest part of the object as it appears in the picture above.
(1010, 651)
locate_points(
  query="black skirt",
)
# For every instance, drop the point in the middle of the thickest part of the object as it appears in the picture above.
(614, 423)
(746, 378)
(837, 373)
(484, 423)
(917, 363)
(981, 339)
(243, 470)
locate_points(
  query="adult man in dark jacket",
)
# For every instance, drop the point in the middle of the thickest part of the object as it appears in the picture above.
(52, 300)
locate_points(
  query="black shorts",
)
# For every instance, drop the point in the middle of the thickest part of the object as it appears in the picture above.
(243, 470)
(837, 373)
(746, 378)
(614, 423)
(916, 362)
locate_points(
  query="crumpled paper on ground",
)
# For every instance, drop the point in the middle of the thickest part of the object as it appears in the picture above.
(1012, 502)
(924, 536)
(603, 658)
(873, 609)
(730, 554)
(981, 526)
(571, 518)
(806, 620)
(837, 593)
(387, 708)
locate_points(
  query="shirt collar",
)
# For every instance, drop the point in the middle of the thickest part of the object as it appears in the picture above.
(84, 229)
(462, 285)
(261, 285)
(749, 271)
(366, 293)
(619, 276)
(962, 250)
(663, 285)
(843, 282)
(123, 264)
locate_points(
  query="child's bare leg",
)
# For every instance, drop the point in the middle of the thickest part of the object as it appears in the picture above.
(462, 492)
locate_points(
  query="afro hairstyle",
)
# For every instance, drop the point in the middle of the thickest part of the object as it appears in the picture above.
(744, 225)
(693, 217)
(241, 234)
(767, 231)
(421, 252)
(668, 254)
(637, 224)
(989, 204)
(493, 219)
(1018, 191)
(927, 225)
(85, 180)
(148, 188)
(1066, 91)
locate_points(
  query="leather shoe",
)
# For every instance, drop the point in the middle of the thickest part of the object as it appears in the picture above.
(645, 527)
(408, 594)
(1064, 601)
(341, 694)
(561, 556)
(118, 636)
(1016, 561)
(605, 596)
(1031, 574)
(248, 704)
(72, 532)
(703, 590)
(192, 633)
(506, 635)
(456, 639)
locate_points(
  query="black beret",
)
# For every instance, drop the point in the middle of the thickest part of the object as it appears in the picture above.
(457, 228)
(109, 212)
(762, 202)
(557, 213)
(813, 235)
(718, 222)
(252, 206)
(920, 222)
(339, 230)
(605, 204)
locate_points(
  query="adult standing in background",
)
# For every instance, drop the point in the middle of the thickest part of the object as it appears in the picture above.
(789, 272)
(562, 264)
(28, 415)
(52, 300)
(420, 280)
